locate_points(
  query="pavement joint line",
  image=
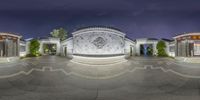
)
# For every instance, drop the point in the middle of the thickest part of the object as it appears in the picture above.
(84, 76)
(148, 66)
(177, 73)
(136, 62)
(183, 65)
(70, 73)
(141, 68)
(169, 63)
(159, 62)
(164, 70)
(22, 72)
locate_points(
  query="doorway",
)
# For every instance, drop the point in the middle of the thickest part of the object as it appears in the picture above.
(65, 51)
(49, 49)
(146, 49)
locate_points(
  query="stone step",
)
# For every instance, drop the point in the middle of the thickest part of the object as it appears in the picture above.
(188, 59)
(98, 60)
(8, 59)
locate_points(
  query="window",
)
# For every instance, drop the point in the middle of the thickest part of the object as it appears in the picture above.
(22, 48)
(172, 48)
(197, 48)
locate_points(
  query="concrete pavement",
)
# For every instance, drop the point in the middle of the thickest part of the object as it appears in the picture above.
(52, 77)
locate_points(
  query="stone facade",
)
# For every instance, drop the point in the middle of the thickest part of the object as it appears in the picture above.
(102, 41)
(98, 41)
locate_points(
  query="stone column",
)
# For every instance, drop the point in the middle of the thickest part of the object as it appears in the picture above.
(41, 47)
(187, 48)
(176, 47)
(18, 46)
(6, 47)
(58, 48)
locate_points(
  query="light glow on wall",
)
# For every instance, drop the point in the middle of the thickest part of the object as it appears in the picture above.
(98, 42)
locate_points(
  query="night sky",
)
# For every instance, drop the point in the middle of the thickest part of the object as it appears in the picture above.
(137, 18)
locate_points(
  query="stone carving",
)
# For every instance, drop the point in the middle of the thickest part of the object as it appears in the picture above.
(99, 42)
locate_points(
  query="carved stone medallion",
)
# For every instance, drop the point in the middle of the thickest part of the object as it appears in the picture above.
(99, 42)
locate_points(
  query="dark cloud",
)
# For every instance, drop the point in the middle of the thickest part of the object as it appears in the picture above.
(138, 18)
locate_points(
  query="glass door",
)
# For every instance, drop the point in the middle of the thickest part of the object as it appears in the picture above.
(197, 48)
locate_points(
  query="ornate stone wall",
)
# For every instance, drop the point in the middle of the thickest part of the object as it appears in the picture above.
(98, 42)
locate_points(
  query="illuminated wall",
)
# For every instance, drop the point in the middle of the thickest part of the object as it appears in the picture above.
(143, 41)
(67, 47)
(50, 41)
(98, 41)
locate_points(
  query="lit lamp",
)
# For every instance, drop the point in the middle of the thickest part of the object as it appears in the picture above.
(54, 47)
(3, 37)
(194, 37)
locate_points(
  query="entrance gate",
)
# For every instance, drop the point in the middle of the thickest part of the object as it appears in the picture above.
(146, 49)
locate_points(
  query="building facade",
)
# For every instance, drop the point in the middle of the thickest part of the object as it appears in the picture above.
(188, 45)
(97, 41)
(9, 45)
(101, 42)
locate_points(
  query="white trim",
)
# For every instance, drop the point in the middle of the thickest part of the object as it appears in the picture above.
(10, 34)
(70, 38)
(92, 29)
(127, 39)
(187, 34)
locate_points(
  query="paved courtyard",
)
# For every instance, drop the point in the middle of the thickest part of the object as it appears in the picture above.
(140, 78)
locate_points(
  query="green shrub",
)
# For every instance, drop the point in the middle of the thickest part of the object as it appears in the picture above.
(34, 48)
(161, 46)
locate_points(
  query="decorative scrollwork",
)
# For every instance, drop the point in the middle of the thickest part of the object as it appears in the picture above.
(99, 42)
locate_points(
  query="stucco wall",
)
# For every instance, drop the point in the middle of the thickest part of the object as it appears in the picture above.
(129, 44)
(68, 45)
(145, 41)
(22, 53)
(170, 53)
(50, 41)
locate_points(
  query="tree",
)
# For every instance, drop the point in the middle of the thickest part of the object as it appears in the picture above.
(34, 47)
(59, 33)
(161, 46)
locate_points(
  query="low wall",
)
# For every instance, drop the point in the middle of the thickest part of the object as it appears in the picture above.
(8, 59)
(22, 54)
(188, 59)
